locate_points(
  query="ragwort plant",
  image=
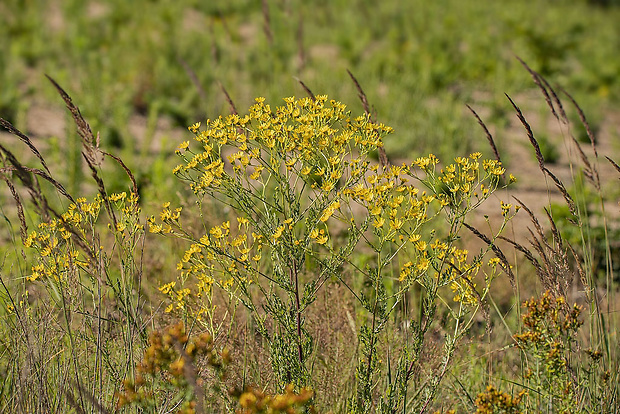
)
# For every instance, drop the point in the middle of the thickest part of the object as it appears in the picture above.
(306, 199)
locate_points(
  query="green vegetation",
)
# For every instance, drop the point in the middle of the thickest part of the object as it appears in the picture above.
(418, 63)
(304, 255)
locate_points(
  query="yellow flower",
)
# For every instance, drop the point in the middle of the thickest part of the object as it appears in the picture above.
(184, 145)
(167, 288)
(322, 239)
(278, 233)
(155, 228)
(194, 128)
(414, 238)
(239, 240)
(216, 232)
(423, 264)
(396, 223)
(327, 186)
(118, 196)
(329, 211)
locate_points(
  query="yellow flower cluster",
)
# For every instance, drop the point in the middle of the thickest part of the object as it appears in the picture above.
(307, 137)
(292, 171)
(58, 242)
(57, 255)
(219, 257)
(397, 208)
(128, 224)
(494, 401)
(168, 219)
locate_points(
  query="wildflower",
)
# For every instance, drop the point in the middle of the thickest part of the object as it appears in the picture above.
(423, 264)
(118, 196)
(396, 224)
(278, 233)
(322, 239)
(378, 223)
(167, 288)
(329, 211)
(194, 128)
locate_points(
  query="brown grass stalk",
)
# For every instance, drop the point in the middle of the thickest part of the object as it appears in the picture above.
(267, 22)
(487, 133)
(26, 140)
(383, 159)
(547, 92)
(306, 89)
(498, 252)
(231, 104)
(612, 162)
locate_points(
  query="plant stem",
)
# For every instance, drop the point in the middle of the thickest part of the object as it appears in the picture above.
(295, 275)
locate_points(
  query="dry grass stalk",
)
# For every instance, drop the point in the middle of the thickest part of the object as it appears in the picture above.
(89, 142)
(28, 179)
(498, 252)
(30, 182)
(488, 134)
(231, 104)
(25, 139)
(383, 159)
(591, 173)
(305, 87)
(194, 78)
(134, 185)
(556, 99)
(567, 197)
(530, 134)
(547, 92)
(23, 227)
(541, 160)
(43, 175)
(557, 238)
(612, 162)
(267, 22)
(584, 121)
(552, 266)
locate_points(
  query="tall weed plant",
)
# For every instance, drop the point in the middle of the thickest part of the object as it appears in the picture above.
(306, 200)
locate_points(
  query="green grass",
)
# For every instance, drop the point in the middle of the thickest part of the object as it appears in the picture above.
(418, 63)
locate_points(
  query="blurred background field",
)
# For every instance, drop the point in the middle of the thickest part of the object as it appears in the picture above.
(141, 69)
